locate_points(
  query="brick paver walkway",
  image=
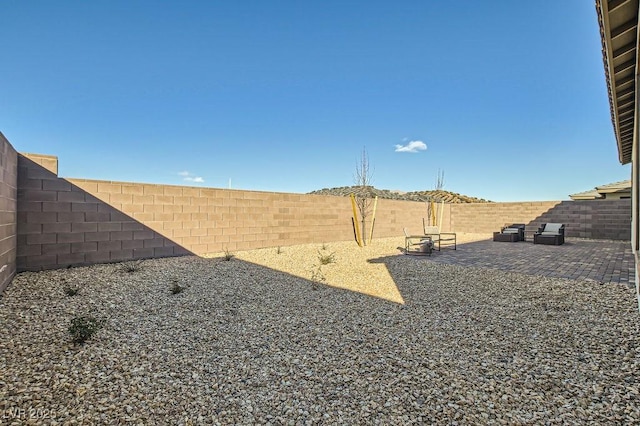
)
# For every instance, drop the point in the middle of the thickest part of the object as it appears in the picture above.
(603, 261)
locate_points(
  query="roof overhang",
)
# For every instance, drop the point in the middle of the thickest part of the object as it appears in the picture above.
(618, 21)
(623, 186)
(587, 195)
(615, 191)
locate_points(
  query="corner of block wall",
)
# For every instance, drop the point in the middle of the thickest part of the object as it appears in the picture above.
(49, 162)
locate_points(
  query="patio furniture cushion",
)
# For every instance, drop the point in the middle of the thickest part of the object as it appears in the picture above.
(510, 231)
(552, 228)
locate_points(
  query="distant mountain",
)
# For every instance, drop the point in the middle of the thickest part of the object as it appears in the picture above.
(370, 191)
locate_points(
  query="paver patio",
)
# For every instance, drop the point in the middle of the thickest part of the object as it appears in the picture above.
(598, 260)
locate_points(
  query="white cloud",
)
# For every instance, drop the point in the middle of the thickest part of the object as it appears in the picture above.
(196, 179)
(189, 177)
(413, 146)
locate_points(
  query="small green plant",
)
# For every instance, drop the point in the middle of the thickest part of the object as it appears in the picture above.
(70, 290)
(132, 267)
(326, 259)
(317, 278)
(228, 255)
(176, 288)
(83, 327)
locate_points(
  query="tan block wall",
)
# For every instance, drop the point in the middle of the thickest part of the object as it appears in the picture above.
(64, 222)
(489, 217)
(208, 220)
(47, 162)
(79, 221)
(60, 224)
(8, 211)
(597, 219)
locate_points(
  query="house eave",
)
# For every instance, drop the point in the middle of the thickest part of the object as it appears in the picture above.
(618, 21)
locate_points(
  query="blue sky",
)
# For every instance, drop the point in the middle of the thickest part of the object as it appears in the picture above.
(508, 97)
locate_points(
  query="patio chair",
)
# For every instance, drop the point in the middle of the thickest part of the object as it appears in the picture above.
(448, 238)
(550, 234)
(510, 233)
(417, 244)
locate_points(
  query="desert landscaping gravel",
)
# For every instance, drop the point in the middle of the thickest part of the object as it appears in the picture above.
(274, 336)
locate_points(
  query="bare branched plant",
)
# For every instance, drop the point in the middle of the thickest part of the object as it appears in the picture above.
(317, 277)
(362, 178)
(439, 180)
(431, 210)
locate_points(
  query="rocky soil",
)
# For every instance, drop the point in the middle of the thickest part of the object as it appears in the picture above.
(275, 336)
(437, 195)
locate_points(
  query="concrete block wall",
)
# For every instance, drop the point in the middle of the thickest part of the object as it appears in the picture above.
(609, 220)
(59, 224)
(64, 222)
(208, 220)
(489, 217)
(8, 211)
(597, 219)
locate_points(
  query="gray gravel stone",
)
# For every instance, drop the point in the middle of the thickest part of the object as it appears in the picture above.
(383, 339)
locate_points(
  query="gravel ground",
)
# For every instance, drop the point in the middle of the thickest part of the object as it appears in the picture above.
(375, 338)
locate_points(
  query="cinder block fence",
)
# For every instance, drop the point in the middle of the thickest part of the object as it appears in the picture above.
(8, 211)
(597, 219)
(52, 222)
(65, 222)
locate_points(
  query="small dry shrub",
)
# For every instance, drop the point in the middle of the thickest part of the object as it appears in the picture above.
(326, 259)
(83, 328)
(176, 288)
(71, 290)
(131, 267)
(228, 255)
